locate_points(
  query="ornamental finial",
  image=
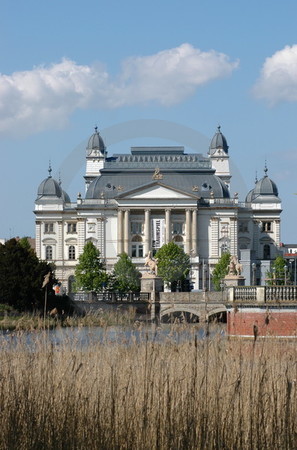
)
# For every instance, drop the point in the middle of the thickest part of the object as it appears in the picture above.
(49, 169)
(265, 168)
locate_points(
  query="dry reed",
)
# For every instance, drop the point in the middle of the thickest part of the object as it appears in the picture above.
(198, 394)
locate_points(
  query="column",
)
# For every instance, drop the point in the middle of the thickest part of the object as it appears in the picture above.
(194, 232)
(147, 231)
(167, 226)
(120, 248)
(126, 231)
(188, 231)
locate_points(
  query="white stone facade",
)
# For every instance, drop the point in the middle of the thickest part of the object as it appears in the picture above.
(137, 202)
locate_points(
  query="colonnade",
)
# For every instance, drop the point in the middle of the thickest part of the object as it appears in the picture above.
(123, 230)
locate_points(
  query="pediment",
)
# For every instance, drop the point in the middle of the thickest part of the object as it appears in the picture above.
(156, 191)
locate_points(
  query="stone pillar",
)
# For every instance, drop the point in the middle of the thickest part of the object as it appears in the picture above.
(167, 226)
(194, 232)
(38, 238)
(147, 231)
(126, 231)
(120, 248)
(188, 231)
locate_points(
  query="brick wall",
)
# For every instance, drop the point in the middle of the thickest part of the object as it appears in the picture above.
(269, 321)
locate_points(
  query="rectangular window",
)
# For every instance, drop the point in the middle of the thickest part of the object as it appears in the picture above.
(136, 227)
(49, 227)
(137, 251)
(71, 227)
(177, 228)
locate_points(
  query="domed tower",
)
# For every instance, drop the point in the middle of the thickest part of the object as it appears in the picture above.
(266, 209)
(218, 153)
(95, 157)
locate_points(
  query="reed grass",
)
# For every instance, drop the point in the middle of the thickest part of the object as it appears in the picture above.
(100, 317)
(198, 394)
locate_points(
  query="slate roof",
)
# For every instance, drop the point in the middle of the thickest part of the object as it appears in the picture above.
(188, 173)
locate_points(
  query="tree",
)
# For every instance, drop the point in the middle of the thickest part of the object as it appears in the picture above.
(173, 263)
(125, 275)
(220, 271)
(278, 273)
(21, 276)
(90, 273)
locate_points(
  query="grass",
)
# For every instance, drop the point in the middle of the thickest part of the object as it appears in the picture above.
(199, 394)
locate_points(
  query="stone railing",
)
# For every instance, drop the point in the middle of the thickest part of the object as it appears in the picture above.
(246, 293)
(281, 293)
(262, 294)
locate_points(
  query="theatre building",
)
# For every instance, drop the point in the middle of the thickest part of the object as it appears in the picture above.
(136, 202)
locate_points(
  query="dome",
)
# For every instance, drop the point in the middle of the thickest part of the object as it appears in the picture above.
(96, 143)
(218, 141)
(52, 188)
(266, 186)
(249, 196)
(65, 197)
(49, 188)
(265, 190)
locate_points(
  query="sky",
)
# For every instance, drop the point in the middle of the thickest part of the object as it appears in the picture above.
(164, 72)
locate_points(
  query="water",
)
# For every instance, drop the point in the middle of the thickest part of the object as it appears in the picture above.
(86, 336)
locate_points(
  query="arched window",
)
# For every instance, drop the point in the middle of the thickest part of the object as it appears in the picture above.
(71, 252)
(49, 252)
(266, 251)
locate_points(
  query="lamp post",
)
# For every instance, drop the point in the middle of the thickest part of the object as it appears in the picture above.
(254, 267)
(285, 270)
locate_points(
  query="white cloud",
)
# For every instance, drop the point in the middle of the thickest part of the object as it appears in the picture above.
(45, 97)
(278, 79)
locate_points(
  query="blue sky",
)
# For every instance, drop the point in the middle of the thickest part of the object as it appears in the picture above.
(147, 73)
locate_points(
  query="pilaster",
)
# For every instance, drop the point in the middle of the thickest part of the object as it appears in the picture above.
(214, 241)
(38, 238)
(233, 236)
(81, 235)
